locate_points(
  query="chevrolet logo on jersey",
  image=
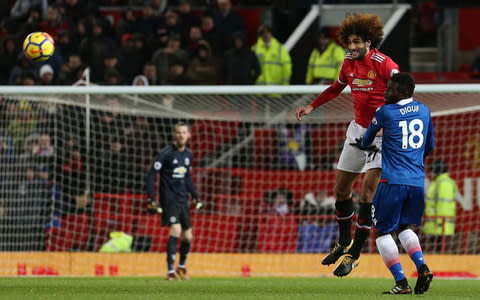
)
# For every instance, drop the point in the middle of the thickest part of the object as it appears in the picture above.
(179, 172)
(362, 82)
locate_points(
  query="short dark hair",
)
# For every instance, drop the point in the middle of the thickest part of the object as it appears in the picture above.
(438, 167)
(406, 83)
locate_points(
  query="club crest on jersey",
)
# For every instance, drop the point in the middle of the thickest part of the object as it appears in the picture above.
(372, 74)
(175, 161)
(187, 161)
(179, 172)
(157, 165)
(361, 82)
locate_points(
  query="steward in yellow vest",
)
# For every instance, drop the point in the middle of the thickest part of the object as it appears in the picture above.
(274, 59)
(440, 208)
(325, 60)
(119, 242)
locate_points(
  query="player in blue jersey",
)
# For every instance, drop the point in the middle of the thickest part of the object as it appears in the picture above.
(398, 203)
(174, 163)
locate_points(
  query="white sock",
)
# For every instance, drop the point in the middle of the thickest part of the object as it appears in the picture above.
(388, 250)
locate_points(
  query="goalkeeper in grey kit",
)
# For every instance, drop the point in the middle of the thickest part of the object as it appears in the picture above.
(174, 163)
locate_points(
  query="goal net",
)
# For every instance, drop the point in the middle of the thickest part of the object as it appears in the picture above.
(73, 162)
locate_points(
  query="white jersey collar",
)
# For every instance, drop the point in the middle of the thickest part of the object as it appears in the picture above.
(405, 101)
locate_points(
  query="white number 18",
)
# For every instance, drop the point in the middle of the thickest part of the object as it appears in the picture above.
(410, 131)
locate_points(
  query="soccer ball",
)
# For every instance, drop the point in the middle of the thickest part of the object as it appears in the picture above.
(38, 46)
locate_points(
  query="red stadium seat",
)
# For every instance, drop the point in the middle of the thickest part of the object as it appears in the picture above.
(151, 225)
(426, 77)
(265, 148)
(204, 139)
(73, 234)
(277, 234)
(215, 233)
(456, 77)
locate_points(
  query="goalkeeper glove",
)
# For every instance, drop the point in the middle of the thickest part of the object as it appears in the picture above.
(198, 204)
(152, 207)
(358, 144)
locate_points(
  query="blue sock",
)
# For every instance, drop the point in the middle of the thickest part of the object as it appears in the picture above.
(417, 258)
(397, 272)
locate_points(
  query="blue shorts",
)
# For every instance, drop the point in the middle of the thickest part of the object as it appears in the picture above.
(395, 205)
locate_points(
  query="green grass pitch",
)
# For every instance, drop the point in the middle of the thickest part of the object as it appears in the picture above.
(122, 288)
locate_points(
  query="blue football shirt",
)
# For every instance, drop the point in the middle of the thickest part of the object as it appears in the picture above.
(407, 140)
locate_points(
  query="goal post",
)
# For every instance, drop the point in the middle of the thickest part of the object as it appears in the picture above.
(73, 161)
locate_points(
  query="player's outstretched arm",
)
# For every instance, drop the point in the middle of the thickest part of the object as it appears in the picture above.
(303, 111)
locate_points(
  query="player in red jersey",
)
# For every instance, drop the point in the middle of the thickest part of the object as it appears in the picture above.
(367, 72)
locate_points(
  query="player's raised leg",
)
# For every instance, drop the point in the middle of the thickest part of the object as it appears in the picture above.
(411, 244)
(363, 224)
(344, 214)
(388, 250)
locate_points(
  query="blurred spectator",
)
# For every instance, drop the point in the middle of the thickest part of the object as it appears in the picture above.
(71, 71)
(426, 31)
(28, 211)
(28, 78)
(475, 66)
(186, 20)
(147, 22)
(22, 8)
(74, 10)
(132, 56)
(54, 23)
(23, 124)
(279, 202)
(227, 23)
(46, 75)
(111, 167)
(112, 77)
(44, 146)
(163, 58)
(274, 59)
(203, 68)
(158, 41)
(64, 47)
(23, 64)
(142, 140)
(150, 72)
(210, 33)
(10, 47)
(194, 36)
(126, 23)
(73, 178)
(178, 74)
(140, 80)
(325, 60)
(159, 6)
(171, 22)
(32, 23)
(319, 203)
(293, 143)
(241, 65)
(94, 48)
(81, 32)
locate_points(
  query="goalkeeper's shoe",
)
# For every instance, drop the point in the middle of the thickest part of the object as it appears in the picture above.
(337, 252)
(346, 266)
(182, 273)
(399, 289)
(425, 276)
(171, 276)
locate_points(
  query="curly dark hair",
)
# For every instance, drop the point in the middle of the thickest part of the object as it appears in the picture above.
(366, 26)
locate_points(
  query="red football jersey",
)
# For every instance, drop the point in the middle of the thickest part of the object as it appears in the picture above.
(367, 79)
